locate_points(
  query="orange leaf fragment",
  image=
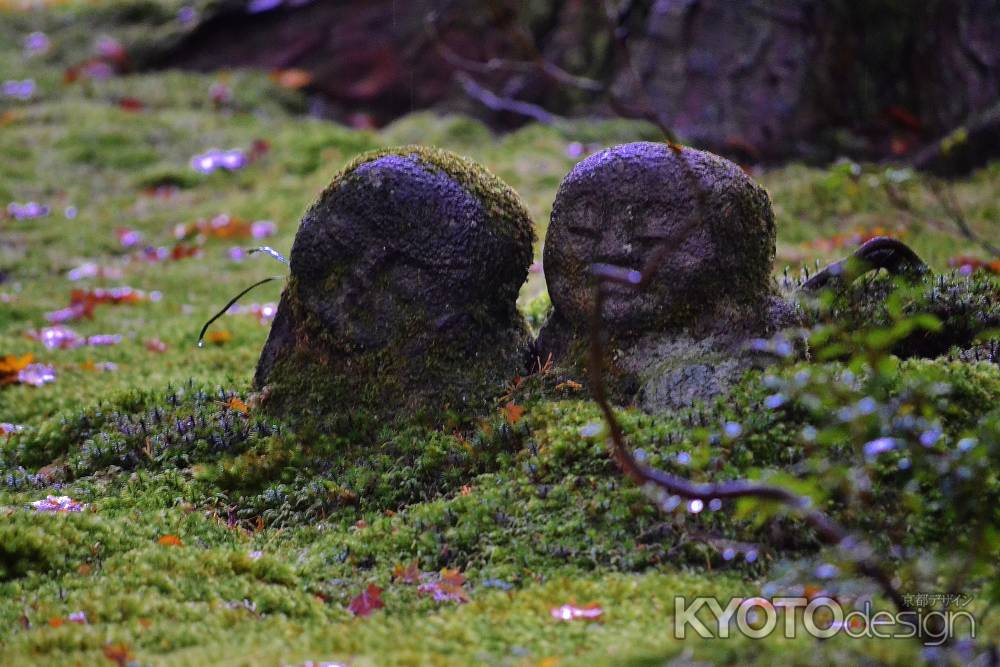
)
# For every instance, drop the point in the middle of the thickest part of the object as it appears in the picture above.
(220, 337)
(170, 541)
(11, 365)
(513, 413)
(570, 385)
(292, 78)
(237, 405)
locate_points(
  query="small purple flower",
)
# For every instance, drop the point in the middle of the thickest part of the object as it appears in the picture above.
(36, 44)
(929, 437)
(670, 503)
(237, 254)
(103, 340)
(58, 504)
(255, 555)
(58, 338)
(36, 375)
(70, 212)
(867, 405)
(965, 444)
(7, 429)
(574, 149)
(214, 159)
(827, 571)
(774, 401)
(27, 211)
(880, 446)
(19, 90)
(129, 237)
(262, 229)
(732, 429)
(233, 159)
(78, 617)
(67, 314)
(204, 163)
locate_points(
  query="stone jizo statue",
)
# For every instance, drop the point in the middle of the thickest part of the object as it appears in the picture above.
(401, 299)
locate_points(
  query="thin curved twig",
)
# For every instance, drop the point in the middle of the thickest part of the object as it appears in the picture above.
(201, 335)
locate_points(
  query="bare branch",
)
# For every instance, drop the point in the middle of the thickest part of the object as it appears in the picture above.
(494, 65)
(494, 102)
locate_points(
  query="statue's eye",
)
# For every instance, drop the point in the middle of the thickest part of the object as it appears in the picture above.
(654, 237)
(586, 232)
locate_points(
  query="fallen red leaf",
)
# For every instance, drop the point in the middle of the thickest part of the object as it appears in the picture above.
(131, 104)
(367, 601)
(118, 654)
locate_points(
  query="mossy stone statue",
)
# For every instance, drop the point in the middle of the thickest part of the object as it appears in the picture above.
(401, 299)
(712, 231)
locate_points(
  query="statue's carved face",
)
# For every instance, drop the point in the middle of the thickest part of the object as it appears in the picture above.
(632, 204)
(628, 234)
(398, 244)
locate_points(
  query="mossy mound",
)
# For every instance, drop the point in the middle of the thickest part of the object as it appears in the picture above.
(401, 301)
(962, 309)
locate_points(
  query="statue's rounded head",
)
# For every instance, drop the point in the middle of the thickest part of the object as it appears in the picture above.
(707, 228)
(411, 236)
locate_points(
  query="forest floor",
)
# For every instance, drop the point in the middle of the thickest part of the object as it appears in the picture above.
(231, 539)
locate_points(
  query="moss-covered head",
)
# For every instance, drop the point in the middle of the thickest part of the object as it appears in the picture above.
(710, 226)
(405, 274)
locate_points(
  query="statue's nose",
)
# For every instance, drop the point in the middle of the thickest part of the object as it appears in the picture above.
(614, 247)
